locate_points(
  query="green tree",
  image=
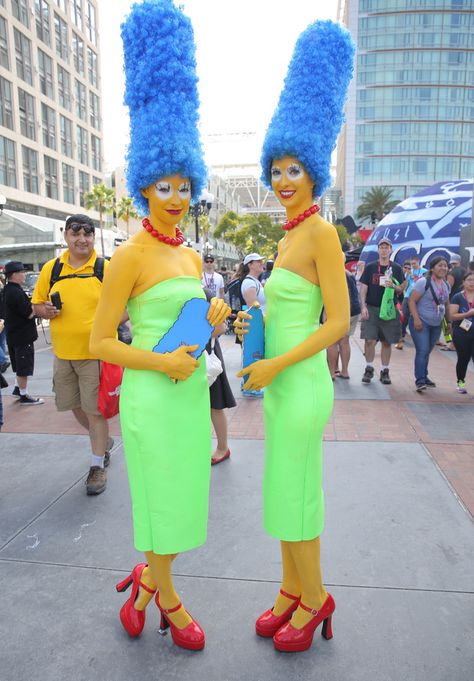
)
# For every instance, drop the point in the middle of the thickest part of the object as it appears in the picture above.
(376, 200)
(101, 199)
(126, 211)
(250, 232)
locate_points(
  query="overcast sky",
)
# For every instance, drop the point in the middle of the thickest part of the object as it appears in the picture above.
(242, 49)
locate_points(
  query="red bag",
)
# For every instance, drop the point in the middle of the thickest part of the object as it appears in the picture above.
(400, 312)
(109, 389)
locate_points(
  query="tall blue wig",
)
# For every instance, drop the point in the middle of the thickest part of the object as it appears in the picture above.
(309, 114)
(162, 97)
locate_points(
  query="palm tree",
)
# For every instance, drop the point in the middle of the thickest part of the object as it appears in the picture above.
(376, 200)
(126, 211)
(101, 199)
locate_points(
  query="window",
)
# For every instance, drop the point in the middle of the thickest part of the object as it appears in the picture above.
(83, 186)
(92, 66)
(64, 88)
(4, 60)
(97, 180)
(82, 145)
(7, 162)
(45, 65)
(26, 103)
(6, 103)
(48, 125)
(420, 165)
(20, 11)
(23, 57)
(42, 21)
(76, 13)
(94, 114)
(80, 96)
(51, 177)
(65, 133)
(60, 30)
(61, 4)
(78, 53)
(30, 170)
(91, 22)
(95, 153)
(68, 183)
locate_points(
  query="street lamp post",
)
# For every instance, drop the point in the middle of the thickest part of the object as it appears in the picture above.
(202, 207)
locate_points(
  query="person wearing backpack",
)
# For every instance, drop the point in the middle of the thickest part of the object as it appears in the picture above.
(428, 303)
(77, 277)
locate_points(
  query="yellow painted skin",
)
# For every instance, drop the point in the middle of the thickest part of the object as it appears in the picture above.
(312, 250)
(137, 265)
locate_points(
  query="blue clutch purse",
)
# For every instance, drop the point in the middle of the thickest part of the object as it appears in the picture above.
(190, 328)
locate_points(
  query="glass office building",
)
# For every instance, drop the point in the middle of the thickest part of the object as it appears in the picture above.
(50, 105)
(410, 116)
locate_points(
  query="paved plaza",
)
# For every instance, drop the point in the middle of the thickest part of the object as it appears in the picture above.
(398, 547)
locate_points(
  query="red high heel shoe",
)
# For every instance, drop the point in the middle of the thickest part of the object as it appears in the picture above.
(133, 620)
(268, 624)
(191, 637)
(291, 640)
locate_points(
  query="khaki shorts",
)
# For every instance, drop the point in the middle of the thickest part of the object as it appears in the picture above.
(378, 329)
(76, 384)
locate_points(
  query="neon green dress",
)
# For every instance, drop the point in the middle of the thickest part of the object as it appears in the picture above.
(297, 406)
(166, 431)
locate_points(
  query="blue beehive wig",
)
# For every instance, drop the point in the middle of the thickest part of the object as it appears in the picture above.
(309, 114)
(162, 97)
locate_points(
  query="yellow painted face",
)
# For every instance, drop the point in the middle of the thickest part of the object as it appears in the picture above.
(168, 200)
(291, 183)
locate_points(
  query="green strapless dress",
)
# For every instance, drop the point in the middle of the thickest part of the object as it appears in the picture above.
(297, 406)
(166, 431)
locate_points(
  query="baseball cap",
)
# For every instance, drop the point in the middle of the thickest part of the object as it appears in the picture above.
(251, 257)
(384, 240)
(208, 258)
(14, 266)
(454, 258)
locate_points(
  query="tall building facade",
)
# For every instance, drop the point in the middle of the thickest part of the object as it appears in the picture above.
(50, 104)
(410, 115)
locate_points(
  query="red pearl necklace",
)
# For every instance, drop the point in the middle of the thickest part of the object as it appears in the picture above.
(171, 241)
(291, 224)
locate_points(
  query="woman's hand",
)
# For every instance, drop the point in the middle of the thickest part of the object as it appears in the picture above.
(418, 324)
(260, 373)
(179, 364)
(241, 325)
(218, 311)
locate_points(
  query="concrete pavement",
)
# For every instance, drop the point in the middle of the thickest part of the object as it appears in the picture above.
(398, 547)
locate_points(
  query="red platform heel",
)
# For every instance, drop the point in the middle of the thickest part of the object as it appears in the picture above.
(191, 637)
(268, 624)
(288, 639)
(133, 620)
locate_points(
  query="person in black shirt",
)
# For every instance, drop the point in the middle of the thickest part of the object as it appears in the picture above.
(21, 331)
(377, 276)
(455, 275)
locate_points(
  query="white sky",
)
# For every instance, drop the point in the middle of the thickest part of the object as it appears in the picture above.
(242, 49)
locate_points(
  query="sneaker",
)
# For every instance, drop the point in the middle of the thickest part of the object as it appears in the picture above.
(385, 377)
(461, 388)
(429, 383)
(96, 480)
(16, 391)
(368, 374)
(27, 399)
(421, 387)
(110, 444)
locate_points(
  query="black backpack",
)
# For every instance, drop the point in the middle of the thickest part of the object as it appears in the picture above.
(58, 266)
(236, 299)
(2, 303)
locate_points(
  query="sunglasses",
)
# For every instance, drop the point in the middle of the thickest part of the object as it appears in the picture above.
(208, 261)
(76, 228)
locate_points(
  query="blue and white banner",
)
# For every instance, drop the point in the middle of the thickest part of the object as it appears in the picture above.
(427, 224)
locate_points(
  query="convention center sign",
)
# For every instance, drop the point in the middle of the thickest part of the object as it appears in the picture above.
(427, 224)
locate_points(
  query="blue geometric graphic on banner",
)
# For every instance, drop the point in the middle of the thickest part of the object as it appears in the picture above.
(427, 224)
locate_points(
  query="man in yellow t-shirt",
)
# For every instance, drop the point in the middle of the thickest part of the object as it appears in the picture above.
(76, 371)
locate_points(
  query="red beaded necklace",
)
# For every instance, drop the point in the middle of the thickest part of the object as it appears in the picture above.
(171, 241)
(291, 224)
